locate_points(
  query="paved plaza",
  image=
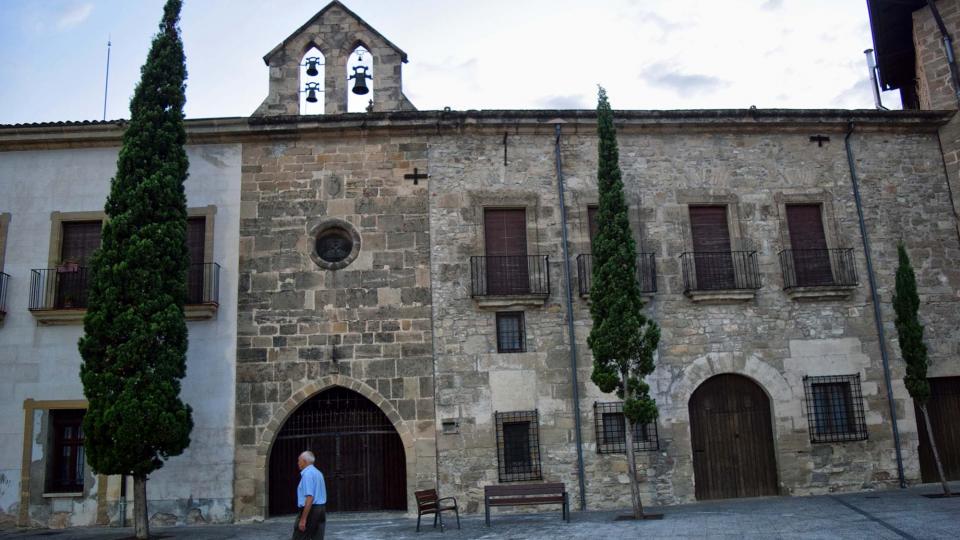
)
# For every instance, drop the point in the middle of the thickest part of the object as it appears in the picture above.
(867, 515)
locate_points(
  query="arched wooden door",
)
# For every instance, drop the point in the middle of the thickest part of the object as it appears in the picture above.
(732, 439)
(358, 451)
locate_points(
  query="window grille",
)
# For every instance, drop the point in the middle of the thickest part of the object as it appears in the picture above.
(611, 429)
(835, 408)
(518, 446)
(510, 338)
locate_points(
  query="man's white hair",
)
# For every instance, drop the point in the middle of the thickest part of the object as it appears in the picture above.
(308, 457)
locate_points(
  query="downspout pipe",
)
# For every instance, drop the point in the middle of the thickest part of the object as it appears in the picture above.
(948, 48)
(570, 328)
(871, 277)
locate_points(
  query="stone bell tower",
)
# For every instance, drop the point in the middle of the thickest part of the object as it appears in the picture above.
(336, 32)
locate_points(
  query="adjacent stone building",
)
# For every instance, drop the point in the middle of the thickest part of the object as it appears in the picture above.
(404, 295)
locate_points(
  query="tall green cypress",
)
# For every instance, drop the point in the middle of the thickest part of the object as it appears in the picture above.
(135, 342)
(906, 304)
(623, 340)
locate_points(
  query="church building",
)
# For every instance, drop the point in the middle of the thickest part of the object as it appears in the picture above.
(407, 294)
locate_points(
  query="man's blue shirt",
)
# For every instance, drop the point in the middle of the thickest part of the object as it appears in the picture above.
(311, 483)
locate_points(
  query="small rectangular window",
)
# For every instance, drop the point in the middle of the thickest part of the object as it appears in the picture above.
(67, 456)
(835, 408)
(611, 430)
(518, 446)
(510, 338)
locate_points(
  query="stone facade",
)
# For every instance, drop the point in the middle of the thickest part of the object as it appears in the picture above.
(397, 316)
(368, 323)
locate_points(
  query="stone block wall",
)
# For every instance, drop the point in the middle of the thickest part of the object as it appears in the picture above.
(303, 328)
(772, 339)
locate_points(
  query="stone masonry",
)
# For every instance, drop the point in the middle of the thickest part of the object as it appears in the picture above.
(366, 326)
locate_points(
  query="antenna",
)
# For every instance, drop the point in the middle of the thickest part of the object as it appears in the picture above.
(106, 83)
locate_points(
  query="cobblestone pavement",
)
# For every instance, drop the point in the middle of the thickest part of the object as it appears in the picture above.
(870, 515)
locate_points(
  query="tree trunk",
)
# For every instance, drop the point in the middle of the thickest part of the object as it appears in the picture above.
(141, 526)
(632, 471)
(936, 454)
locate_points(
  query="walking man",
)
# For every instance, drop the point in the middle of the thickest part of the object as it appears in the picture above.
(311, 500)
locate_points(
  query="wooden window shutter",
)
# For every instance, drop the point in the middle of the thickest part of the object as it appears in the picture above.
(505, 231)
(708, 226)
(592, 223)
(196, 238)
(79, 240)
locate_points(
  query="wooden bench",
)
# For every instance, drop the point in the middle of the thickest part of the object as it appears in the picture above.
(429, 502)
(521, 494)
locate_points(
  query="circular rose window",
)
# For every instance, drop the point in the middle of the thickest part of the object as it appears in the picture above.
(336, 244)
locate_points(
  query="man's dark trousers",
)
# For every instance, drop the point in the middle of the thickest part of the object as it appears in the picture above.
(316, 522)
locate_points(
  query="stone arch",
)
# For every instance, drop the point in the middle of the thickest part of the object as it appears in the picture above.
(675, 414)
(267, 437)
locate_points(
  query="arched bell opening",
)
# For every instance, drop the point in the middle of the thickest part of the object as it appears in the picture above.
(312, 81)
(358, 450)
(731, 435)
(361, 82)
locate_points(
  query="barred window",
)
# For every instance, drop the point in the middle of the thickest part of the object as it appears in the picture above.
(835, 408)
(510, 337)
(611, 428)
(518, 446)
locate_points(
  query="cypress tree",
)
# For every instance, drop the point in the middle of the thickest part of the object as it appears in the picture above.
(906, 304)
(135, 342)
(622, 339)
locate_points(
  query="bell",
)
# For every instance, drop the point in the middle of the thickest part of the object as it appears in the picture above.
(360, 80)
(312, 67)
(311, 96)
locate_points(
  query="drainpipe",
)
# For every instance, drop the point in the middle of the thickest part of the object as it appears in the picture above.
(948, 48)
(876, 305)
(570, 329)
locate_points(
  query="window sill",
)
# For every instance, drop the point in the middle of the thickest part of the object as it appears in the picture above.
(201, 312)
(820, 292)
(646, 297)
(64, 495)
(724, 296)
(51, 317)
(499, 302)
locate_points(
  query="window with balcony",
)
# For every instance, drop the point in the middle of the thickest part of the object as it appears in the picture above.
(646, 263)
(713, 265)
(505, 270)
(809, 263)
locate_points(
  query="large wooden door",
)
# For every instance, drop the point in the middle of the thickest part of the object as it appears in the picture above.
(732, 439)
(808, 244)
(505, 236)
(713, 258)
(358, 451)
(944, 409)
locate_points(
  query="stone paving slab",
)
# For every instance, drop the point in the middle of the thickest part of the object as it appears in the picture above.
(882, 515)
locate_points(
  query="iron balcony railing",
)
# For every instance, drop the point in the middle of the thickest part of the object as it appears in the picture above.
(523, 275)
(818, 267)
(4, 278)
(646, 272)
(720, 270)
(67, 287)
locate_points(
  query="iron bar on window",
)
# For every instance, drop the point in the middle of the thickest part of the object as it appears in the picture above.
(646, 272)
(611, 430)
(720, 270)
(835, 408)
(510, 275)
(818, 267)
(518, 446)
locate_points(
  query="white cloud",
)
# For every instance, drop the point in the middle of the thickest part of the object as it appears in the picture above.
(74, 16)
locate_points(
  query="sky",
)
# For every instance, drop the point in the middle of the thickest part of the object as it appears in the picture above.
(463, 54)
